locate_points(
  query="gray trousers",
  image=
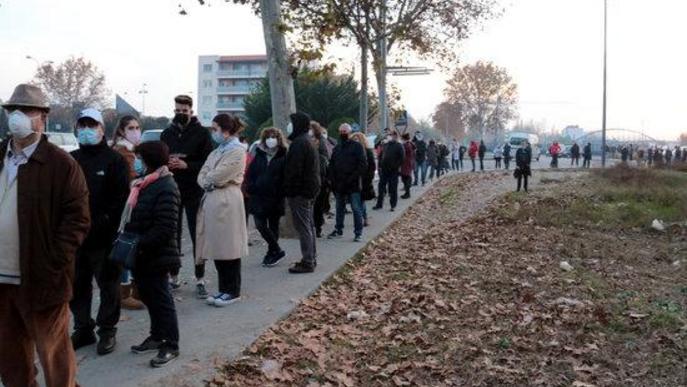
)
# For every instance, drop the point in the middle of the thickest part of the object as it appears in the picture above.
(304, 222)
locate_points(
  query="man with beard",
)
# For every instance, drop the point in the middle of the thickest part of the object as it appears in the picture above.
(189, 146)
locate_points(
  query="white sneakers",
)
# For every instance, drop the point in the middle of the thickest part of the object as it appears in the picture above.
(221, 299)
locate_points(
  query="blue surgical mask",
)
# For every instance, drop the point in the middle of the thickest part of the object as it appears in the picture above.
(218, 137)
(89, 136)
(139, 168)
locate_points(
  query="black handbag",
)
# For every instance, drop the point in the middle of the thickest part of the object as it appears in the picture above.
(517, 173)
(125, 249)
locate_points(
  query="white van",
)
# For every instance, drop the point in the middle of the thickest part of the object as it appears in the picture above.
(515, 139)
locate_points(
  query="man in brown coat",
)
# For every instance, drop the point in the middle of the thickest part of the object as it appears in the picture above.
(44, 217)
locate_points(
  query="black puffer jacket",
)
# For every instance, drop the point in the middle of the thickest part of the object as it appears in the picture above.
(347, 167)
(195, 144)
(392, 157)
(420, 150)
(302, 170)
(155, 219)
(107, 177)
(264, 183)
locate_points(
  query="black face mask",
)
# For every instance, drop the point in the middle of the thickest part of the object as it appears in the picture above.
(181, 119)
(344, 136)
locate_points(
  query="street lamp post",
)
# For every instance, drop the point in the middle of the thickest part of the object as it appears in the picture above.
(143, 93)
(603, 123)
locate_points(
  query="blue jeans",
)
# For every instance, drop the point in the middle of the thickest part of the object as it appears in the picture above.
(420, 172)
(356, 206)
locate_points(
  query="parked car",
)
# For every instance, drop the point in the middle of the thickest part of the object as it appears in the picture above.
(151, 135)
(66, 141)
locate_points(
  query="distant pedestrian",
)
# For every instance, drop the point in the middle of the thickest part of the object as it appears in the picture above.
(368, 192)
(152, 213)
(498, 155)
(507, 156)
(650, 156)
(408, 164)
(668, 155)
(658, 157)
(420, 172)
(444, 154)
(575, 155)
(107, 177)
(324, 149)
(677, 154)
(587, 156)
(46, 186)
(684, 155)
(523, 159)
(390, 162)
(554, 152)
(189, 146)
(264, 182)
(221, 230)
(455, 155)
(126, 138)
(481, 152)
(433, 159)
(624, 154)
(301, 186)
(461, 155)
(347, 169)
(472, 153)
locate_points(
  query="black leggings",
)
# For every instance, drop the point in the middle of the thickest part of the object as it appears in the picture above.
(268, 226)
(520, 178)
(229, 276)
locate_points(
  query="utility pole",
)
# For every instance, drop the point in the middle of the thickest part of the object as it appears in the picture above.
(143, 93)
(381, 44)
(603, 123)
(281, 82)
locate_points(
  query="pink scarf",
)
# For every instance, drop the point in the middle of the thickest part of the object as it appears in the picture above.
(136, 187)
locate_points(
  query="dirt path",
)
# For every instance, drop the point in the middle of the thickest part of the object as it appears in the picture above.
(394, 315)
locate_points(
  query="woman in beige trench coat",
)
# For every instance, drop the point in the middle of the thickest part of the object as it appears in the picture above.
(221, 233)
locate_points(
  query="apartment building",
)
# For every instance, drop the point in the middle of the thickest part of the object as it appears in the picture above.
(224, 82)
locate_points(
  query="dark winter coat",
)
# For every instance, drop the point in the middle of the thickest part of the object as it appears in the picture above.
(433, 155)
(575, 151)
(195, 144)
(392, 157)
(420, 150)
(587, 151)
(507, 151)
(107, 177)
(155, 219)
(482, 150)
(523, 159)
(53, 216)
(265, 182)
(347, 167)
(368, 192)
(302, 169)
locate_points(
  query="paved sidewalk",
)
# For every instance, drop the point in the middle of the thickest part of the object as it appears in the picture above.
(212, 335)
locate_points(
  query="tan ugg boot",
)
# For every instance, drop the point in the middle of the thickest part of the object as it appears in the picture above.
(128, 301)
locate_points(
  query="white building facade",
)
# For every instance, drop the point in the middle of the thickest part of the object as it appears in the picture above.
(224, 82)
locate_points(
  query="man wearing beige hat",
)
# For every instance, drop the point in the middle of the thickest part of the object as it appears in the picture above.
(44, 218)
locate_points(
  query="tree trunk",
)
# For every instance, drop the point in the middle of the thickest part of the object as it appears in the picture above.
(363, 88)
(281, 83)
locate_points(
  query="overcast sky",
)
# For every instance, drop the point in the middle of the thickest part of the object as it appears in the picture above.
(553, 49)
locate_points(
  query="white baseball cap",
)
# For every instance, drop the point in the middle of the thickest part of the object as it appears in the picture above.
(93, 114)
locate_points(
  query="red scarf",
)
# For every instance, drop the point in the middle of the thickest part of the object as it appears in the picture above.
(136, 187)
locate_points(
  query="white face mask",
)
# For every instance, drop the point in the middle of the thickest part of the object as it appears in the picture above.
(20, 124)
(271, 143)
(289, 128)
(324, 135)
(311, 133)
